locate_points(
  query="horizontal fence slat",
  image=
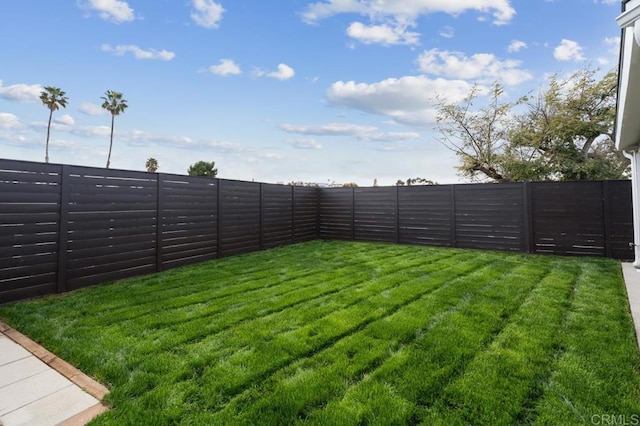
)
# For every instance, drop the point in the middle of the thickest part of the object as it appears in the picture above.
(119, 224)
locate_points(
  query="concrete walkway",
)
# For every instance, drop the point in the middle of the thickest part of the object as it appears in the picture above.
(37, 388)
(632, 281)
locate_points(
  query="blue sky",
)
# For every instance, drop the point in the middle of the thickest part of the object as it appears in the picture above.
(275, 91)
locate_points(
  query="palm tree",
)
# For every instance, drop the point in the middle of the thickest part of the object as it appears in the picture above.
(115, 104)
(53, 98)
(151, 165)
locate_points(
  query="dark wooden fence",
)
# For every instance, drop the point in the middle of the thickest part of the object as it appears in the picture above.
(66, 227)
(567, 218)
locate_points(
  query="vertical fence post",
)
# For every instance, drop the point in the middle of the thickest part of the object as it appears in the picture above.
(528, 246)
(63, 229)
(218, 213)
(261, 213)
(293, 213)
(318, 198)
(353, 214)
(397, 215)
(606, 211)
(452, 217)
(159, 209)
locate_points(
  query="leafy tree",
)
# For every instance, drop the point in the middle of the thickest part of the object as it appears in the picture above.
(350, 185)
(115, 104)
(53, 98)
(203, 168)
(151, 165)
(400, 182)
(305, 184)
(420, 181)
(568, 128)
(479, 138)
(565, 132)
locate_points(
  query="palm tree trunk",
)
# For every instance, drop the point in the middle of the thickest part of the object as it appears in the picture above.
(46, 152)
(111, 141)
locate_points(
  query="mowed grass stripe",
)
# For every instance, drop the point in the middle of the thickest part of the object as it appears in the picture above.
(400, 339)
(498, 385)
(83, 323)
(597, 372)
(211, 302)
(416, 374)
(247, 354)
(214, 300)
(195, 283)
(262, 315)
(295, 391)
(313, 290)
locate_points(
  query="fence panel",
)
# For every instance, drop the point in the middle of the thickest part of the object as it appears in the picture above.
(375, 214)
(111, 224)
(620, 223)
(188, 215)
(29, 215)
(490, 216)
(65, 227)
(425, 215)
(336, 213)
(277, 215)
(305, 213)
(239, 217)
(568, 218)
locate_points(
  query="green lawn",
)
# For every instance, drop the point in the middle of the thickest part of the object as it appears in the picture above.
(354, 333)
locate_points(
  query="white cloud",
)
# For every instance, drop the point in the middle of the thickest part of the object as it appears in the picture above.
(613, 51)
(408, 100)
(226, 67)
(284, 72)
(408, 11)
(23, 93)
(330, 129)
(382, 34)
(206, 13)
(117, 11)
(65, 120)
(228, 147)
(484, 67)
(447, 32)
(88, 108)
(91, 131)
(358, 131)
(568, 50)
(142, 138)
(272, 156)
(9, 121)
(516, 46)
(304, 143)
(607, 1)
(613, 43)
(388, 136)
(138, 53)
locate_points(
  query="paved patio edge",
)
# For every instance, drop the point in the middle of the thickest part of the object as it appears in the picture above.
(84, 382)
(632, 283)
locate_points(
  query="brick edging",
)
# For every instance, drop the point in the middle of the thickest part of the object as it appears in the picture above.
(86, 383)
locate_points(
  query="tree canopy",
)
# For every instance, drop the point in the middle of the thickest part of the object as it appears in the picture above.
(564, 132)
(53, 98)
(203, 168)
(151, 165)
(415, 181)
(115, 104)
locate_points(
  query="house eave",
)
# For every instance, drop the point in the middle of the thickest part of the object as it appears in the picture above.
(627, 126)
